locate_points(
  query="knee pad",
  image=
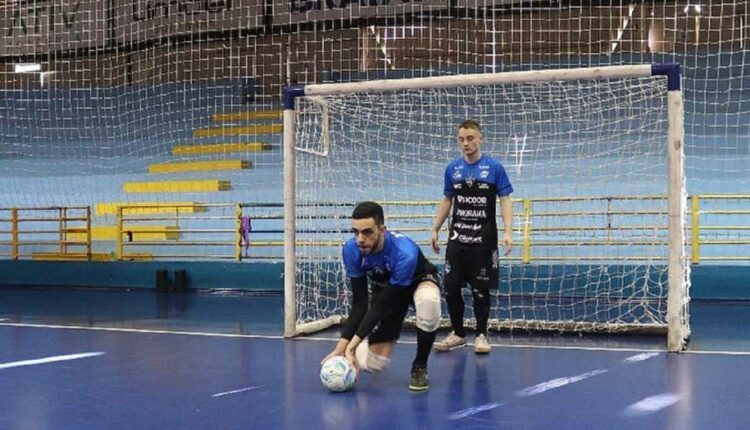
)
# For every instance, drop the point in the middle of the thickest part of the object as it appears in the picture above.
(377, 363)
(368, 361)
(427, 305)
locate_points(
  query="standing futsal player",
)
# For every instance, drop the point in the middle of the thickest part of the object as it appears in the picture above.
(471, 184)
(399, 274)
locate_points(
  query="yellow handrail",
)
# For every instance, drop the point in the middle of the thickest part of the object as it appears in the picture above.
(238, 233)
(14, 234)
(118, 234)
(695, 243)
(527, 231)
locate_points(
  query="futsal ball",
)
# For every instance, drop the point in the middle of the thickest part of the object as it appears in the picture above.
(337, 375)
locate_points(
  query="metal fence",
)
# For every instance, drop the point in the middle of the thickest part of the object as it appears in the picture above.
(545, 229)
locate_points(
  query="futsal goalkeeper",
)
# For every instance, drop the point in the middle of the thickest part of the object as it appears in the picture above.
(471, 184)
(399, 275)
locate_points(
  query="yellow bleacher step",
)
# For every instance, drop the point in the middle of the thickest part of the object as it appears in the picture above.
(186, 186)
(221, 148)
(139, 233)
(199, 166)
(104, 209)
(239, 130)
(246, 116)
(79, 256)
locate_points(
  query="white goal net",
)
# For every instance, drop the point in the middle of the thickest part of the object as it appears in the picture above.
(588, 161)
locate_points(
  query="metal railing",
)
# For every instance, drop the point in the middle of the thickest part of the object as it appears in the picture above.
(205, 230)
(545, 229)
(45, 230)
(721, 223)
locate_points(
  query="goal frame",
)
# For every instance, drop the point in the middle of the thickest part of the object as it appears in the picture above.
(678, 329)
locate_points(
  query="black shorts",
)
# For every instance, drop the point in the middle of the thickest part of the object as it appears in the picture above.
(388, 329)
(475, 266)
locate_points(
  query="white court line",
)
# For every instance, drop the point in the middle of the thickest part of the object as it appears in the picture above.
(640, 357)
(241, 390)
(738, 353)
(333, 339)
(136, 330)
(46, 360)
(534, 390)
(648, 351)
(553, 384)
(651, 404)
(473, 411)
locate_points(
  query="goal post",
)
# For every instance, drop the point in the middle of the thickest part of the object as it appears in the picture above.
(578, 135)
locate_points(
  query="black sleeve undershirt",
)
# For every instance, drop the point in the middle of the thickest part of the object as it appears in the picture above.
(360, 301)
(391, 295)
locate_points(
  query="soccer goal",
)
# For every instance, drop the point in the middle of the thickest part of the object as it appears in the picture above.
(595, 156)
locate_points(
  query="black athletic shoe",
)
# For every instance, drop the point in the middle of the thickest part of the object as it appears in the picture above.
(419, 380)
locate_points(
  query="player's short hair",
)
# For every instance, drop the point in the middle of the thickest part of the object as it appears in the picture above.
(471, 124)
(372, 210)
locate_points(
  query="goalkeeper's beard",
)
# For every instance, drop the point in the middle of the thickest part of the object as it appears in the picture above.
(377, 246)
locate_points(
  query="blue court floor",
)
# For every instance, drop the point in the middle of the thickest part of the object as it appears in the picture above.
(104, 359)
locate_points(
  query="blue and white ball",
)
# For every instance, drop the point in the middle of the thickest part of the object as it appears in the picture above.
(337, 375)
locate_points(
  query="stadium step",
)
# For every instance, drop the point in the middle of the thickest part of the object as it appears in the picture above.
(139, 233)
(185, 186)
(238, 130)
(104, 209)
(246, 116)
(80, 256)
(221, 148)
(199, 166)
